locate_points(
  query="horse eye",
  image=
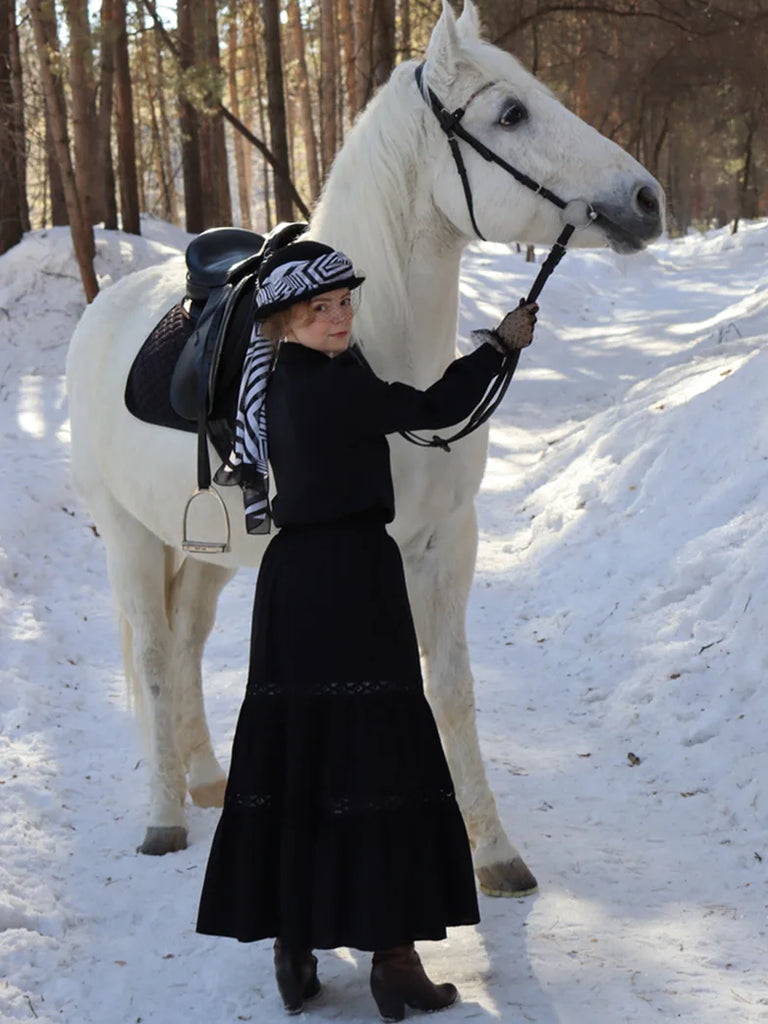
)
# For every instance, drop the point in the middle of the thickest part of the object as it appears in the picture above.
(513, 114)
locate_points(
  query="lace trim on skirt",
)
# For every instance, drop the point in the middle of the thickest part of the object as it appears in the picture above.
(334, 688)
(343, 805)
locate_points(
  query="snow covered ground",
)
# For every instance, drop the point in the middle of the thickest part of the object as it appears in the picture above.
(618, 638)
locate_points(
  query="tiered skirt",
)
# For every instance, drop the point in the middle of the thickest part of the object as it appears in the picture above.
(340, 826)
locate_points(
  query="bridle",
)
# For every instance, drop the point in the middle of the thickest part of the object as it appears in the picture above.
(450, 122)
(578, 213)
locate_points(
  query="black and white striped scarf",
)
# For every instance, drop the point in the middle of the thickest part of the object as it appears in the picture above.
(248, 464)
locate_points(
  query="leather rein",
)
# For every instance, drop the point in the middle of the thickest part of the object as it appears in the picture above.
(450, 122)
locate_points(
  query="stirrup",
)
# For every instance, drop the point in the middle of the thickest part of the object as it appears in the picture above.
(205, 547)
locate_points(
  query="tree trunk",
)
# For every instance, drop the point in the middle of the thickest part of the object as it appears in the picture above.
(747, 196)
(362, 15)
(20, 143)
(248, 119)
(10, 210)
(347, 41)
(222, 213)
(276, 108)
(405, 30)
(190, 125)
(214, 174)
(383, 41)
(243, 194)
(59, 215)
(304, 97)
(43, 17)
(84, 121)
(126, 141)
(137, 68)
(255, 51)
(149, 49)
(166, 134)
(109, 30)
(328, 105)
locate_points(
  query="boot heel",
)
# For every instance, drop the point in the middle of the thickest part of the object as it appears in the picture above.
(398, 980)
(390, 1004)
(296, 976)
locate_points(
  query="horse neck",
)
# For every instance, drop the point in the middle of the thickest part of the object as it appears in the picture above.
(376, 208)
(408, 330)
(432, 288)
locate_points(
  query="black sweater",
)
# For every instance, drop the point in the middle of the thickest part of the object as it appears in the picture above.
(327, 420)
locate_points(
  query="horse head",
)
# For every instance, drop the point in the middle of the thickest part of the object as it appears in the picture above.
(518, 120)
(397, 204)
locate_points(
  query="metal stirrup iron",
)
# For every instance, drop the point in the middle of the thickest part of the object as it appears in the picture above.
(206, 547)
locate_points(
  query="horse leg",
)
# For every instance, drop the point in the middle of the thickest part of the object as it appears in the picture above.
(138, 571)
(191, 610)
(439, 578)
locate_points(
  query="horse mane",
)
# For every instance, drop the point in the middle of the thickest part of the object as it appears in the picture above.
(367, 205)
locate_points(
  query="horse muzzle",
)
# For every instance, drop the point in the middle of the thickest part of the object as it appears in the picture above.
(631, 223)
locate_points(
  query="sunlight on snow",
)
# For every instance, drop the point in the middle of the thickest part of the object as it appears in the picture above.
(30, 410)
(64, 433)
(544, 373)
(695, 384)
(27, 625)
(605, 943)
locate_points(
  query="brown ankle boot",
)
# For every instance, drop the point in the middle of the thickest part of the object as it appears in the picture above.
(398, 980)
(296, 974)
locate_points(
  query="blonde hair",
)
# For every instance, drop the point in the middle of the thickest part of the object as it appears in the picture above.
(300, 314)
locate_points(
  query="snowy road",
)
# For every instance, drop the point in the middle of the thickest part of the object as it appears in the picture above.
(618, 639)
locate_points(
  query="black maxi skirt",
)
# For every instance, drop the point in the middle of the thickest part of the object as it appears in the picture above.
(340, 826)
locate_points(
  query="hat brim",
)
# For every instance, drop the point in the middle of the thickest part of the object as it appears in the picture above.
(265, 312)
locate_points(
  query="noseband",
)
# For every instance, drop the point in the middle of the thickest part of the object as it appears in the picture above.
(450, 122)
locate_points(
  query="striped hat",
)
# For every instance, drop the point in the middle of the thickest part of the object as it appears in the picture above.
(298, 272)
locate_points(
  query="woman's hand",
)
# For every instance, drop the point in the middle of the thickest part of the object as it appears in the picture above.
(516, 329)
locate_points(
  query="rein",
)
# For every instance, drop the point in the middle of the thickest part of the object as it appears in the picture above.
(450, 122)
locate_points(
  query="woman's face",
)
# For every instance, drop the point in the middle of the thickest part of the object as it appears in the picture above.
(323, 323)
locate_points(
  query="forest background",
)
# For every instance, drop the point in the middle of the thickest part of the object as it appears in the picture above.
(207, 112)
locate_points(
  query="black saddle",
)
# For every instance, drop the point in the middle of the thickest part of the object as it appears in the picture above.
(218, 256)
(206, 337)
(222, 265)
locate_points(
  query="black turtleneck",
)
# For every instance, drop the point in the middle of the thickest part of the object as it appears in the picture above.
(327, 420)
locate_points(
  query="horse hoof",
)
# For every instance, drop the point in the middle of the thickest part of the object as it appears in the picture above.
(507, 879)
(209, 794)
(159, 840)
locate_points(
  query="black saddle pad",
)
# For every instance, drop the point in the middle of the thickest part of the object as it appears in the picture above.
(147, 390)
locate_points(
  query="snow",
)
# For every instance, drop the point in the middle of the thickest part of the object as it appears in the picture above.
(618, 640)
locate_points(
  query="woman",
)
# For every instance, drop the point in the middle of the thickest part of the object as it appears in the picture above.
(340, 826)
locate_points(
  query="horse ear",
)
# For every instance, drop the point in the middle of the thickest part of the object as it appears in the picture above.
(468, 24)
(444, 49)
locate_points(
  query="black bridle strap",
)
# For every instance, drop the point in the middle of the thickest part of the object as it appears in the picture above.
(449, 122)
(556, 253)
(461, 168)
(500, 383)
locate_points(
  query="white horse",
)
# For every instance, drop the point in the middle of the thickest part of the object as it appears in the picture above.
(395, 203)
